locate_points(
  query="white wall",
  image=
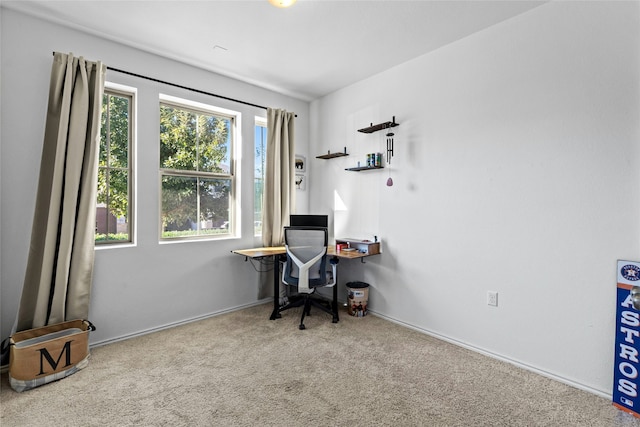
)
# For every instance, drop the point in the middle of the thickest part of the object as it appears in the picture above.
(516, 170)
(148, 285)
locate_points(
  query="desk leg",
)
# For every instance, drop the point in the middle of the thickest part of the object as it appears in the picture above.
(275, 314)
(334, 303)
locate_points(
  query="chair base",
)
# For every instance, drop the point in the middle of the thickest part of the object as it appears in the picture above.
(306, 301)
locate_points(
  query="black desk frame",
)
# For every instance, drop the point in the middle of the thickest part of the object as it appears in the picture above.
(278, 253)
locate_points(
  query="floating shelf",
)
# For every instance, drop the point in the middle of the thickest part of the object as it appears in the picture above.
(379, 126)
(331, 155)
(364, 168)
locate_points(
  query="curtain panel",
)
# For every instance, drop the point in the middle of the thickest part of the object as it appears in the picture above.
(57, 284)
(279, 193)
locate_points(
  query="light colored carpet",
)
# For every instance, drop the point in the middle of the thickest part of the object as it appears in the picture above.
(241, 369)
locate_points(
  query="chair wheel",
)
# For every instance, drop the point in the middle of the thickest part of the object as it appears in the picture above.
(301, 327)
(334, 320)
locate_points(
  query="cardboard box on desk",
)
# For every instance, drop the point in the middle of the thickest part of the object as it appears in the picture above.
(364, 246)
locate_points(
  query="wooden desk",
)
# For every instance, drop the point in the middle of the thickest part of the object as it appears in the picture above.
(277, 252)
(256, 253)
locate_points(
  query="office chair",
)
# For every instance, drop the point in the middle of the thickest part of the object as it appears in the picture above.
(305, 268)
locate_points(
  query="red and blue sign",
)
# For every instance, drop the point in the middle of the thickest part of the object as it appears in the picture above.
(626, 383)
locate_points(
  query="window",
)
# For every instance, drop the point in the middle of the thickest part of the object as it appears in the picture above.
(114, 198)
(196, 169)
(259, 171)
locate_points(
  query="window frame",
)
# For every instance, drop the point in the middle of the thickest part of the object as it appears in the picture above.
(234, 167)
(131, 93)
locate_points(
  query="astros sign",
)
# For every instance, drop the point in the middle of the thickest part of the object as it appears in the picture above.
(627, 364)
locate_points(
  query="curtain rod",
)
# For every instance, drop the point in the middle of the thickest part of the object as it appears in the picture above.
(186, 88)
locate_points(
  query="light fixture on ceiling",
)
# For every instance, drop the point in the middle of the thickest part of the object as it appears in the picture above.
(282, 3)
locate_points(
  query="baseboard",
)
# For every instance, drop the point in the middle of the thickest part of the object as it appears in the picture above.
(482, 351)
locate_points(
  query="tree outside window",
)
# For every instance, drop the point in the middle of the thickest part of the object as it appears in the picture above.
(113, 211)
(196, 161)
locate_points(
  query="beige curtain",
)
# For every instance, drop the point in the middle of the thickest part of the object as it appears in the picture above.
(279, 192)
(57, 282)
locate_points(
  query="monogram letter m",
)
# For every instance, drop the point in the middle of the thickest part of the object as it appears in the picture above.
(44, 354)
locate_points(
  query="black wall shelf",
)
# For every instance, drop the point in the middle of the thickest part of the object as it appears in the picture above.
(331, 155)
(364, 168)
(379, 126)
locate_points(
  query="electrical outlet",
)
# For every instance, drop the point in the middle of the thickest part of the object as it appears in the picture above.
(492, 298)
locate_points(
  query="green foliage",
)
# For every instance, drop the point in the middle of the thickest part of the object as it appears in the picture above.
(113, 162)
(113, 175)
(111, 237)
(193, 141)
(198, 143)
(192, 233)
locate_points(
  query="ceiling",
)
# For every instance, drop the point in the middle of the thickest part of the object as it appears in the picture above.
(306, 51)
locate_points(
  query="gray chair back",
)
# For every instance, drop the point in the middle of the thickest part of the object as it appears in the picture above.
(305, 243)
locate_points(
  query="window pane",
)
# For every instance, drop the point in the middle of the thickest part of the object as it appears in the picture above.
(102, 211)
(119, 132)
(178, 147)
(215, 205)
(119, 192)
(104, 129)
(112, 215)
(214, 142)
(193, 206)
(259, 170)
(113, 204)
(179, 206)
